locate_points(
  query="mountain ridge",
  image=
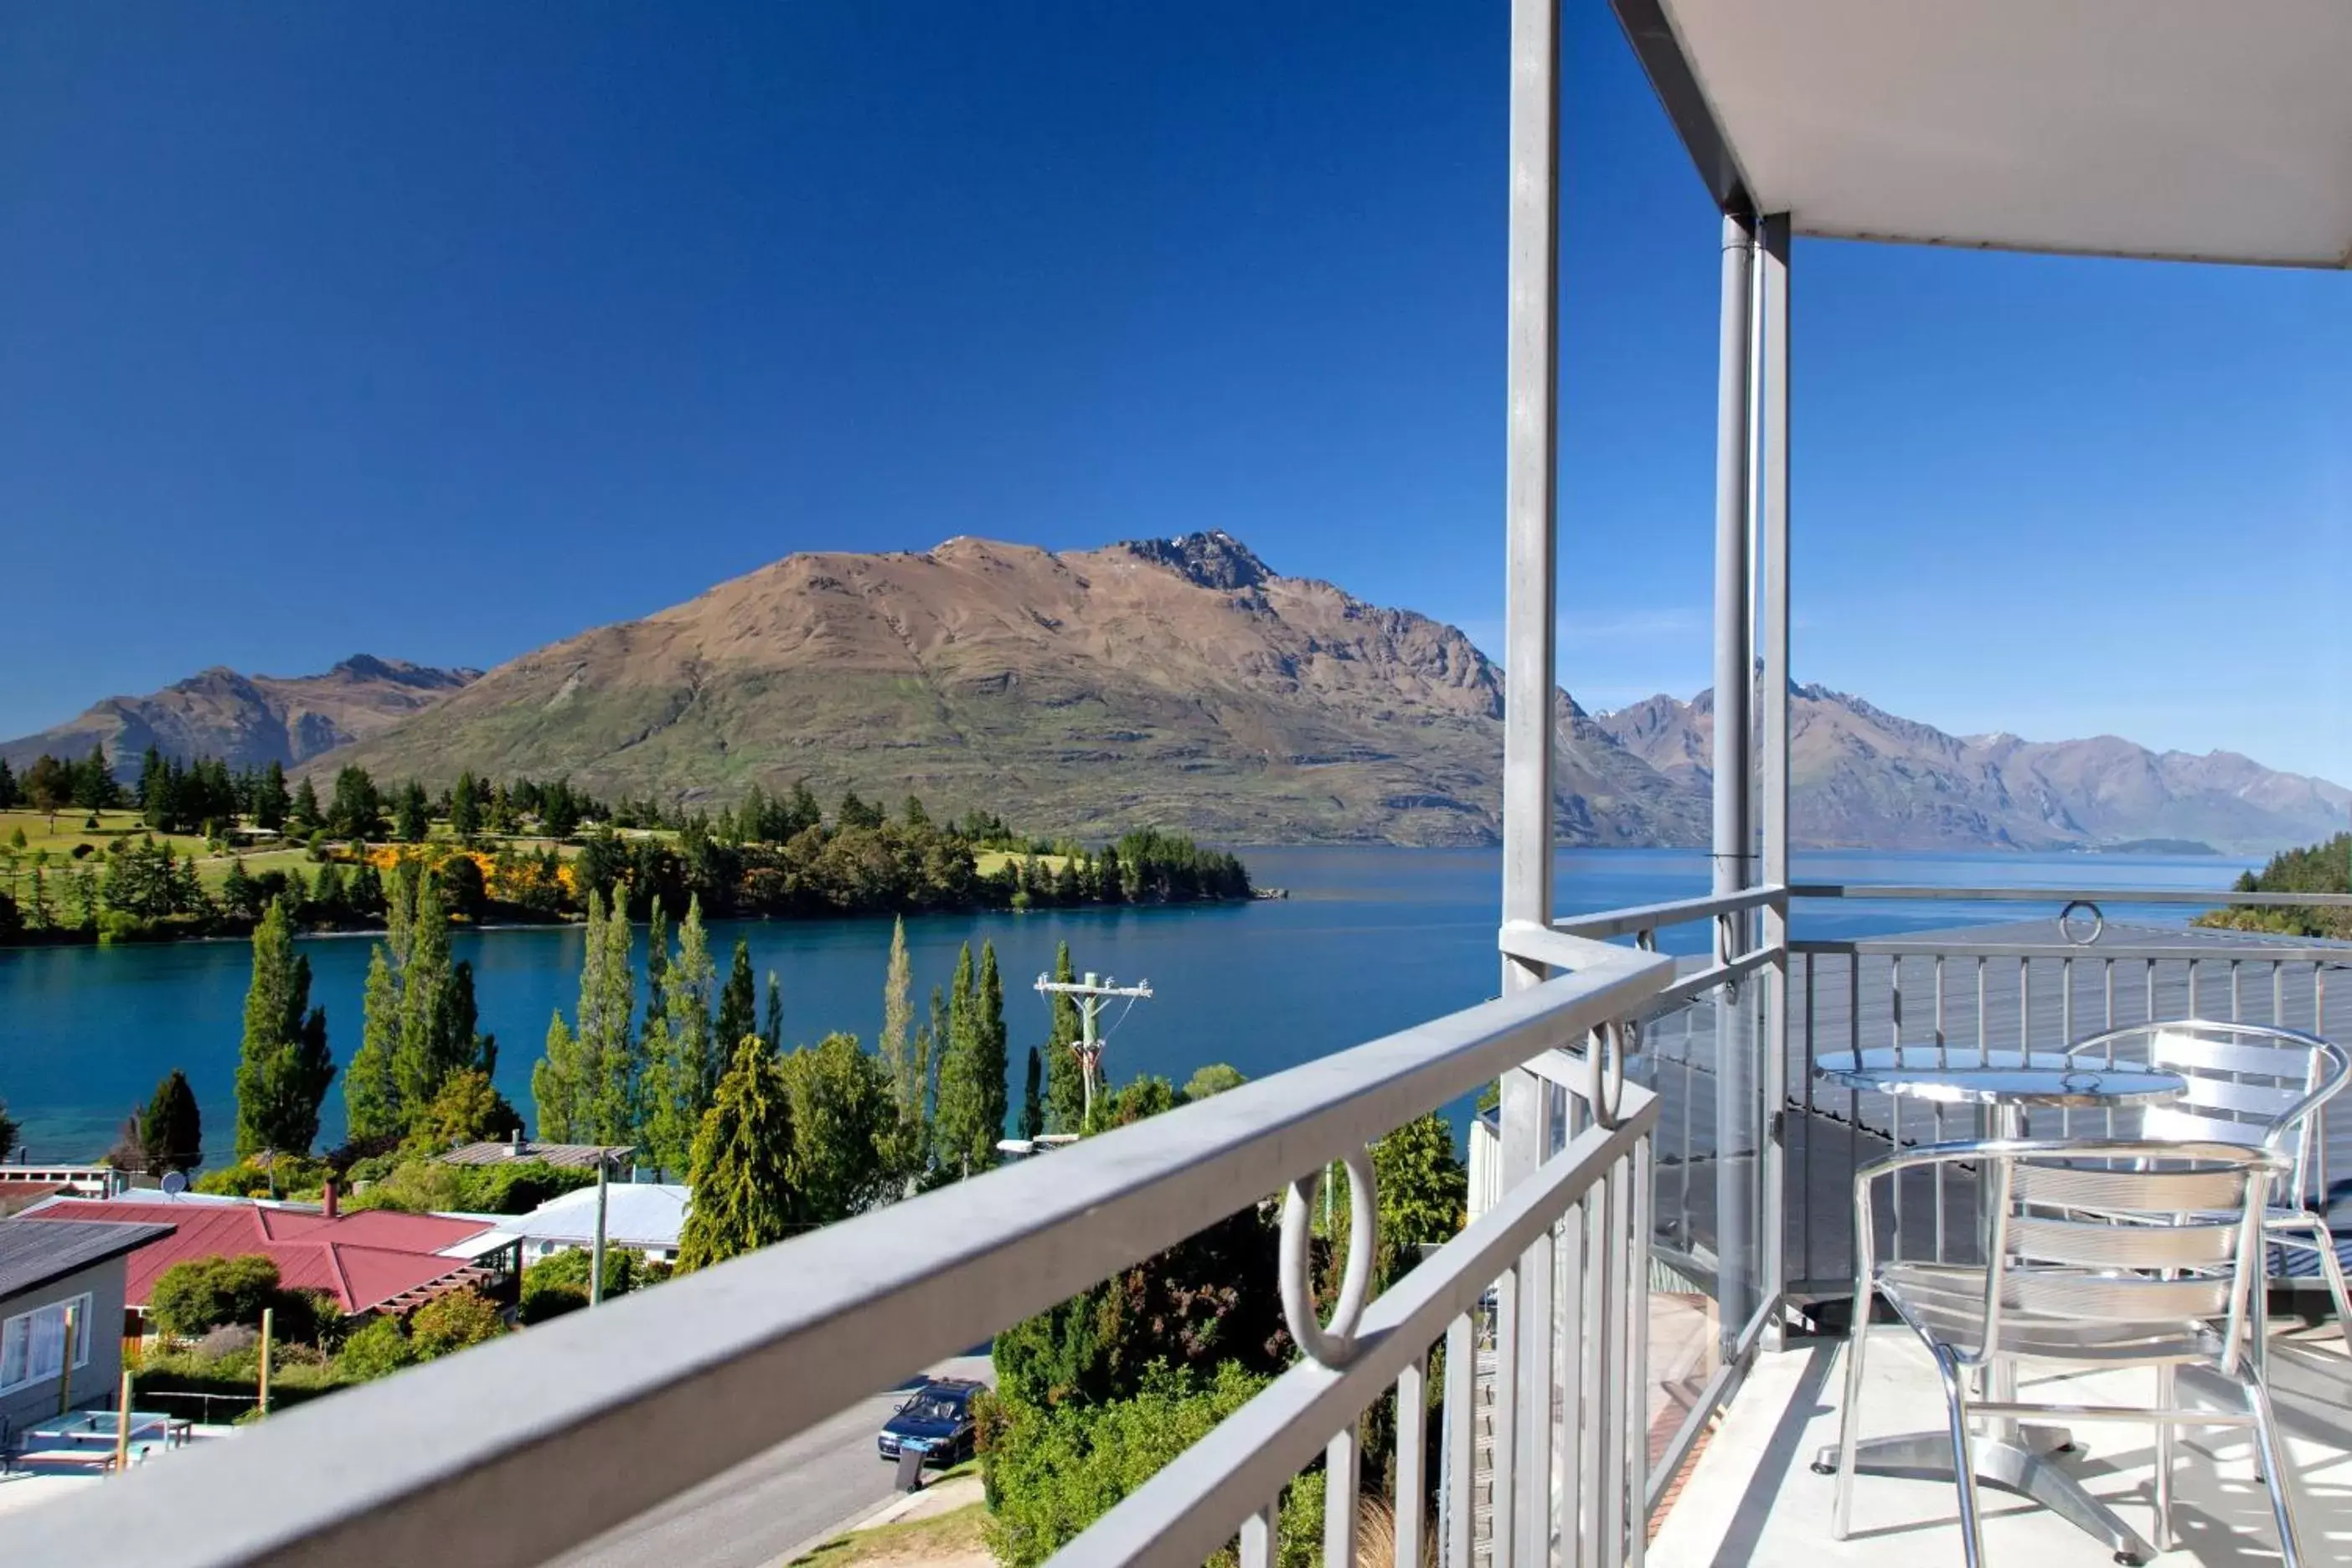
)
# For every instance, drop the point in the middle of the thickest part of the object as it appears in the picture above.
(248, 721)
(1186, 683)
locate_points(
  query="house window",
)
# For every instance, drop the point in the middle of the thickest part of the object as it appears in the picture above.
(33, 1344)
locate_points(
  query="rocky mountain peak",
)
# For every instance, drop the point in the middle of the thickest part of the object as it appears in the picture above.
(1213, 559)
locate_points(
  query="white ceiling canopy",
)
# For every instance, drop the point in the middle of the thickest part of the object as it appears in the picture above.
(2192, 130)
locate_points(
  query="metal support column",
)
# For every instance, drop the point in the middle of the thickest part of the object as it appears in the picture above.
(1530, 488)
(1772, 741)
(1734, 1087)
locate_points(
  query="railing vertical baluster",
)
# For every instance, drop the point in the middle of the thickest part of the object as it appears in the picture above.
(1503, 1434)
(1943, 1058)
(1894, 1106)
(2066, 1038)
(2278, 993)
(2234, 1003)
(1806, 1163)
(1411, 1446)
(1581, 1499)
(1638, 1378)
(2196, 1008)
(1607, 1414)
(1260, 1535)
(2148, 976)
(1459, 1514)
(1568, 1361)
(1532, 1443)
(1342, 1480)
(2319, 1028)
(2108, 979)
(2025, 1003)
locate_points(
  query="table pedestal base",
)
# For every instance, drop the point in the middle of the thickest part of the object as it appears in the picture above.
(2019, 1464)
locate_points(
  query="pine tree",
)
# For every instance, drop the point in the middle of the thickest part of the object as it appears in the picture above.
(308, 815)
(966, 1140)
(1033, 1099)
(412, 820)
(270, 804)
(284, 1070)
(739, 1003)
(466, 806)
(742, 1169)
(172, 1131)
(1065, 1082)
(372, 1103)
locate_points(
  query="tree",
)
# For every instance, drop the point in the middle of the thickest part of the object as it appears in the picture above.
(7, 785)
(772, 1023)
(372, 1107)
(681, 1065)
(909, 1090)
(452, 1322)
(1033, 1099)
(742, 1169)
(1423, 1191)
(992, 1066)
(358, 808)
(466, 806)
(270, 804)
(189, 1299)
(284, 1071)
(413, 819)
(1065, 1083)
(8, 1131)
(586, 1083)
(307, 817)
(172, 1131)
(971, 1099)
(435, 1040)
(739, 1002)
(467, 1109)
(845, 1128)
(1214, 1078)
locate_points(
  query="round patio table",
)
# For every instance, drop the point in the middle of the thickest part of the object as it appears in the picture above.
(2004, 1085)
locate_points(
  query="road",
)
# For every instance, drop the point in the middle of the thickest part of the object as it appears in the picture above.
(752, 1515)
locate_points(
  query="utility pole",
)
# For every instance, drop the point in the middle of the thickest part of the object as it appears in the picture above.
(1091, 992)
(596, 1250)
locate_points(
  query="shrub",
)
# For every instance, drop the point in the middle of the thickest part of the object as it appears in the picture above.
(228, 1339)
(559, 1284)
(420, 1186)
(522, 1187)
(204, 1293)
(251, 1178)
(378, 1348)
(452, 1322)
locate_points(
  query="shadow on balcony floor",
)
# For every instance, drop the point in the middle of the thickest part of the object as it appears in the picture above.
(1753, 1501)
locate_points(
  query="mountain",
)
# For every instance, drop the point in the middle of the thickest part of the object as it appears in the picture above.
(1177, 682)
(1180, 683)
(1863, 777)
(249, 719)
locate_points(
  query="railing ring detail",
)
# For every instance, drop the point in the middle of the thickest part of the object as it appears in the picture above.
(2067, 927)
(1604, 1063)
(1332, 1344)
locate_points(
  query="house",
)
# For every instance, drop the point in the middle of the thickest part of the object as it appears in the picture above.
(50, 1274)
(575, 1156)
(372, 1261)
(645, 1218)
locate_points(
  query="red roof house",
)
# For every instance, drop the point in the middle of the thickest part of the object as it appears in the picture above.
(376, 1259)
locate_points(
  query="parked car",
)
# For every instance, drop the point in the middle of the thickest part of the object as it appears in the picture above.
(938, 1415)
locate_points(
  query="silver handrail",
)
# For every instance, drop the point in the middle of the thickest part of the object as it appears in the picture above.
(532, 1444)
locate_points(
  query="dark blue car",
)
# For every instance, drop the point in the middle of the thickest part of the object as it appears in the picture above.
(939, 1416)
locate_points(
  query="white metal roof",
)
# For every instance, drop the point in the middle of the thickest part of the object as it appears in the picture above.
(636, 1213)
(2195, 129)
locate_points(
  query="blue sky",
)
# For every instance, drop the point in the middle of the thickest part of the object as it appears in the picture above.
(440, 331)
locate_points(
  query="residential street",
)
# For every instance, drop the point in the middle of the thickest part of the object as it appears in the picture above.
(769, 1505)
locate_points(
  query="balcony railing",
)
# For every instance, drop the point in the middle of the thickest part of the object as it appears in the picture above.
(531, 1446)
(1555, 1442)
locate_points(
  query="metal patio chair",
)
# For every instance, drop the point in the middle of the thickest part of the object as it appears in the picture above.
(2103, 1252)
(2263, 1086)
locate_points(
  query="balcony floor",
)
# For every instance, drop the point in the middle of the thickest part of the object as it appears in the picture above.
(1753, 1501)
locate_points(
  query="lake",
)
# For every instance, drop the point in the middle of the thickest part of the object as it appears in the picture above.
(1371, 940)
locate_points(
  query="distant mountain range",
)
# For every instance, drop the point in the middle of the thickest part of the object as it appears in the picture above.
(1176, 682)
(249, 719)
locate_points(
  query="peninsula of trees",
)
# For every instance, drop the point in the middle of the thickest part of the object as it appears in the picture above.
(196, 849)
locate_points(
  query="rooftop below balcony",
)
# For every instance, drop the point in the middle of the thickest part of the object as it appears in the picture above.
(1751, 1498)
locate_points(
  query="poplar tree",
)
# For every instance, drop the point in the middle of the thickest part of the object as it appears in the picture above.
(682, 1065)
(1065, 1082)
(966, 1138)
(994, 1064)
(844, 1129)
(772, 1027)
(739, 1003)
(612, 1041)
(283, 1069)
(741, 1169)
(1033, 1099)
(424, 1057)
(567, 1079)
(371, 1091)
(901, 1061)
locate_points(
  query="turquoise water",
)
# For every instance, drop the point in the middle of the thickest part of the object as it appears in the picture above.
(1371, 939)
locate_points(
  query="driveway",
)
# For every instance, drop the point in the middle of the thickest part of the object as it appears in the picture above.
(771, 1504)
